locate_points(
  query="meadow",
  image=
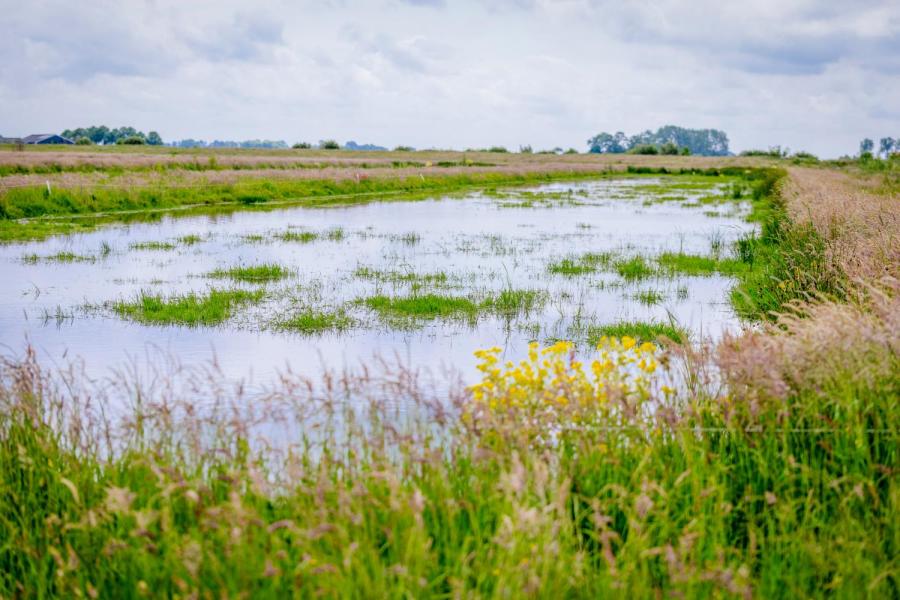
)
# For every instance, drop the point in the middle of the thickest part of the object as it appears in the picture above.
(682, 382)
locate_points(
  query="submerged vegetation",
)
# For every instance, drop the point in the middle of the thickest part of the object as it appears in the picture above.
(255, 273)
(310, 321)
(190, 309)
(508, 302)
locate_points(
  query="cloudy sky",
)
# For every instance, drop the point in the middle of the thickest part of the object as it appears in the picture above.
(813, 75)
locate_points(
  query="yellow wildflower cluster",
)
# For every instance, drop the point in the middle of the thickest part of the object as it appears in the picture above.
(552, 377)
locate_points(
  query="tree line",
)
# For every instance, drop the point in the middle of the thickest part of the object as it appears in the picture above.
(669, 139)
(101, 134)
(886, 147)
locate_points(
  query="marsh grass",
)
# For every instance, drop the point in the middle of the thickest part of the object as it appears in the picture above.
(153, 245)
(211, 308)
(649, 297)
(261, 273)
(419, 280)
(312, 321)
(507, 303)
(304, 237)
(59, 257)
(695, 264)
(643, 331)
(582, 265)
(634, 269)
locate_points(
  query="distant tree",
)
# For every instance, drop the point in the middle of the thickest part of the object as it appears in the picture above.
(526, 149)
(132, 140)
(190, 143)
(669, 148)
(500, 149)
(866, 146)
(606, 143)
(84, 141)
(705, 142)
(302, 146)
(154, 139)
(886, 145)
(404, 149)
(571, 151)
(643, 149)
(329, 145)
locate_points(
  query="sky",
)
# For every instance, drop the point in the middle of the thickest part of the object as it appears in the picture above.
(808, 75)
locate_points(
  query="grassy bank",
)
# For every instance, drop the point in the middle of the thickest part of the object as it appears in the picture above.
(38, 212)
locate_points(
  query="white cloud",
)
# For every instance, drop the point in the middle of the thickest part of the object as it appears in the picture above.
(800, 73)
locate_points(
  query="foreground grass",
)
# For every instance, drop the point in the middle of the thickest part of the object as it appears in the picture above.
(191, 309)
(765, 491)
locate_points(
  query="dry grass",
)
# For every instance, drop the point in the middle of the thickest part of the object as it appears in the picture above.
(816, 345)
(861, 228)
(154, 167)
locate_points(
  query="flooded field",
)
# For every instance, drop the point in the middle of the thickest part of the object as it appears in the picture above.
(424, 282)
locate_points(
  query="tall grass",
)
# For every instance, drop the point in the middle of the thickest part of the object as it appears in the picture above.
(550, 478)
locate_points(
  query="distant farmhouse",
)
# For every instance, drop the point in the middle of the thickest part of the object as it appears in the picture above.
(46, 138)
(7, 140)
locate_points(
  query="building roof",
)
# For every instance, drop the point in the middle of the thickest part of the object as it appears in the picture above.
(37, 138)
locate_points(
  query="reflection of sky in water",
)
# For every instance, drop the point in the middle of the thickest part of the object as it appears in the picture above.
(481, 244)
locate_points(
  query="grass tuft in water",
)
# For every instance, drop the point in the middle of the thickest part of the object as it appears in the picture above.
(695, 264)
(633, 269)
(315, 321)
(304, 237)
(60, 257)
(189, 309)
(425, 306)
(153, 246)
(643, 331)
(649, 297)
(253, 274)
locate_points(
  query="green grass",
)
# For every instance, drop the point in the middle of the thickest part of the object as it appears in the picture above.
(100, 205)
(190, 309)
(695, 264)
(649, 297)
(785, 262)
(584, 264)
(425, 306)
(695, 496)
(255, 273)
(61, 257)
(311, 321)
(634, 268)
(643, 331)
(437, 279)
(433, 306)
(570, 268)
(154, 245)
(190, 240)
(304, 237)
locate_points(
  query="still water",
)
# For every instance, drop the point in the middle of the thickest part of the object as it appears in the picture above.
(480, 243)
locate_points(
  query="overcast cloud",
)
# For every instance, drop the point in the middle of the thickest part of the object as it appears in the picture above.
(809, 75)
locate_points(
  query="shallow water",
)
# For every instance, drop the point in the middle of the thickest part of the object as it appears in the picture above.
(484, 243)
